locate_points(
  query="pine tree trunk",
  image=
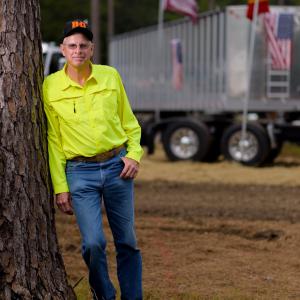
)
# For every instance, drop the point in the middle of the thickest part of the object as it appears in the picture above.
(31, 266)
(211, 4)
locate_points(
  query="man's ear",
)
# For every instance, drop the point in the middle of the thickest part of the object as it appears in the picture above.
(62, 49)
(92, 50)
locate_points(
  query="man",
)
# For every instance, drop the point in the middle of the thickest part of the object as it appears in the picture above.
(94, 153)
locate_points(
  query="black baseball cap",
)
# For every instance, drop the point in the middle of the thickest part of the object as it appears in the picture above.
(78, 26)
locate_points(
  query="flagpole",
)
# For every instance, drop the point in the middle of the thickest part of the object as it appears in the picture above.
(159, 42)
(160, 15)
(249, 73)
(160, 26)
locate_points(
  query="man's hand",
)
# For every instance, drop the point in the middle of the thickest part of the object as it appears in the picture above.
(130, 169)
(63, 201)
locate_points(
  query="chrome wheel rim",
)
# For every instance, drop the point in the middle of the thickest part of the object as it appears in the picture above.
(184, 143)
(243, 150)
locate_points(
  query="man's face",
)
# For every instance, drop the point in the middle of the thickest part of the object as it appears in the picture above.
(77, 50)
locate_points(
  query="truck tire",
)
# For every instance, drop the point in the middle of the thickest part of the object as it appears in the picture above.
(256, 145)
(186, 140)
(274, 152)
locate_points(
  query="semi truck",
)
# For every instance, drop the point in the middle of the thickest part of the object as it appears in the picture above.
(202, 118)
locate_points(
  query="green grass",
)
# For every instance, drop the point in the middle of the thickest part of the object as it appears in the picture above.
(82, 290)
(290, 149)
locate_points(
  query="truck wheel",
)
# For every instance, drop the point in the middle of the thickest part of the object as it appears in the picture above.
(274, 152)
(253, 151)
(186, 141)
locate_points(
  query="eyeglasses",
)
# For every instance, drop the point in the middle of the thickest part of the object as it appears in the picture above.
(80, 46)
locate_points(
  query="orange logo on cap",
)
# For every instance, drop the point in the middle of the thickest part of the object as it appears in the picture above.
(78, 24)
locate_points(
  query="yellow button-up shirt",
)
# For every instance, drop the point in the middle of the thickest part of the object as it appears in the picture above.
(87, 120)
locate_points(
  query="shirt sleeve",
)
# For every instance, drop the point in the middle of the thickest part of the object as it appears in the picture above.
(129, 124)
(57, 159)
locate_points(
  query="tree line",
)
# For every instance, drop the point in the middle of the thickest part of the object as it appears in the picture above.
(139, 13)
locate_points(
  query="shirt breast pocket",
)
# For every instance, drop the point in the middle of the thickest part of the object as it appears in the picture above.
(105, 103)
(67, 110)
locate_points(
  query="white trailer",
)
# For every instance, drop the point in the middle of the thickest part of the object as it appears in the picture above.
(203, 119)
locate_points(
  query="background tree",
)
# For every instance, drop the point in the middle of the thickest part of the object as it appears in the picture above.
(139, 13)
(31, 266)
(211, 4)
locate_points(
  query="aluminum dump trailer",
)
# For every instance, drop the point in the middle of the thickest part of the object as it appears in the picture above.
(200, 119)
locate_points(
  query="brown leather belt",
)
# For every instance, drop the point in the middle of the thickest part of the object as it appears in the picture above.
(100, 157)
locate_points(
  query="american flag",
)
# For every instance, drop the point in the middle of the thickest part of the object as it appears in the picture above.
(177, 75)
(185, 7)
(279, 31)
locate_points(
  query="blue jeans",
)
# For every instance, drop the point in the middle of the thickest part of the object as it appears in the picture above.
(89, 183)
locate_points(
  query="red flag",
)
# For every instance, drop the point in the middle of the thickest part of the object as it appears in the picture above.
(263, 7)
(185, 7)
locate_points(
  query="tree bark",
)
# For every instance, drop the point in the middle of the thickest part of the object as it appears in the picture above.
(31, 266)
(211, 4)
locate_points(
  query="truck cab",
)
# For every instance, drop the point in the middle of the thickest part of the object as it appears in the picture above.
(52, 58)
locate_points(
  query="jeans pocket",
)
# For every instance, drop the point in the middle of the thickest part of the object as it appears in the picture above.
(122, 153)
(71, 165)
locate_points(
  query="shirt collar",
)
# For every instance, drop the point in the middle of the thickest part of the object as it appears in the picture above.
(93, 74)
(66, 81)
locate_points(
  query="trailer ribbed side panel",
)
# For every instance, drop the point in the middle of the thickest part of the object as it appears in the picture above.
(145, 63)
(215, 56)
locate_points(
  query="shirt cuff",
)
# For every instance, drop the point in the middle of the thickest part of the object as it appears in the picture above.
(61, 188)
(135, 155)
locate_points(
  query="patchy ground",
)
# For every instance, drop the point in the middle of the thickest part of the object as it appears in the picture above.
(209, 231)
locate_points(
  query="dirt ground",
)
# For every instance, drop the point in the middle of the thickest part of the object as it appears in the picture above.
(209, 231)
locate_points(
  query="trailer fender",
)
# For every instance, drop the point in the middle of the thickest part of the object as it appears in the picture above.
(276, 143)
